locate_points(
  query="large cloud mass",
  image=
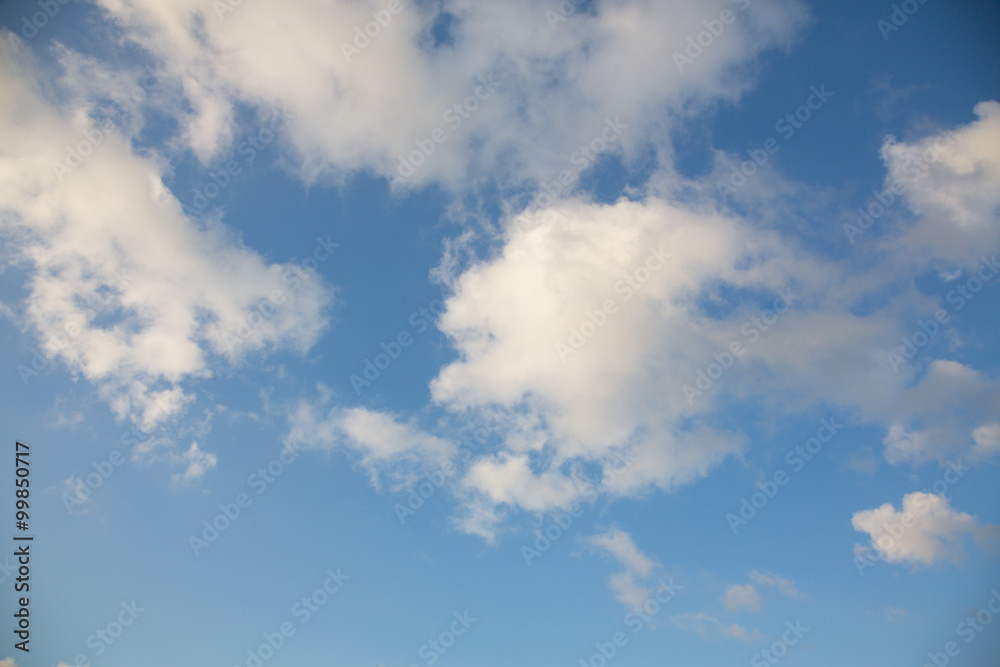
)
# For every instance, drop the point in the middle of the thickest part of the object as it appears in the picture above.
(122, 287)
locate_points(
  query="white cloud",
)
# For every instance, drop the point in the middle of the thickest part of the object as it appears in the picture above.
(952, 181)
(987, 439)
(741, 596)
(955, 403)
(479, 517)
(619, 544)
(926, 530)
(508, 314)
(557, 86)
(628, 590)
(122, 288)
(382, 441)
(517, 320)
(901, 444)
(621, 392)
(626, 585)
(197, 462)
(510, 479)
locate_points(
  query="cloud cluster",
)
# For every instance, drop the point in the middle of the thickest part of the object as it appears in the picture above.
(569, 322)
(557, 87)
(123, 288)
(925, 530)
(598, 329)
(619, 286)
(591, 321)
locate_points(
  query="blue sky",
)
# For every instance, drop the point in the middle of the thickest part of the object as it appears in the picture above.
(674, 344)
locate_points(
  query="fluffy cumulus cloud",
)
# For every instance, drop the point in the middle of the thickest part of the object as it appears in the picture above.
(589, 318)
(551, 90)
(622, 329)
(511, 480)
(122, 288)
(605, 331)
(951, 180)
(924, 531)
(599, 319)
